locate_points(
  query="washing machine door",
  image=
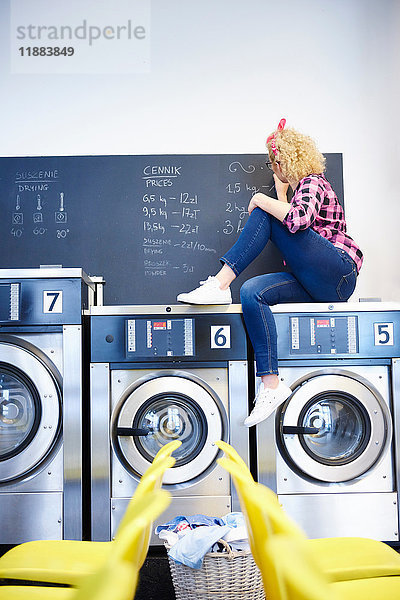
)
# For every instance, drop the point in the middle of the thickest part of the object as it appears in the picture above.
(334, 428)
(163, 408)
(29, 411)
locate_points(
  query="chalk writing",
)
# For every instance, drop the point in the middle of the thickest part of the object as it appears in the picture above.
(233, 167)
(36, 195)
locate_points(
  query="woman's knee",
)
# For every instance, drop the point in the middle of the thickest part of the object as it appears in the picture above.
(250, 292)
(267, 289)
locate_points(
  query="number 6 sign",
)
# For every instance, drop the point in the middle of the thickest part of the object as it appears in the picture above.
(220, 336)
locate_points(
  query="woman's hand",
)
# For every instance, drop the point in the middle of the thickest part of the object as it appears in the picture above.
(276, 208)
(258, 200)
(281, 189)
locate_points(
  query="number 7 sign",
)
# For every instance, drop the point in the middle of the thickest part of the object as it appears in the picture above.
(52, 301)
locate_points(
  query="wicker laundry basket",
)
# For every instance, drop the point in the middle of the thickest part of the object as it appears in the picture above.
(227, 575)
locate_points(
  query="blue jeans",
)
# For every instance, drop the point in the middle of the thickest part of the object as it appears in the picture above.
(320, 272)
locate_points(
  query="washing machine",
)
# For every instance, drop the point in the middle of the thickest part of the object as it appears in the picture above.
(41, 403)
(160, 373)
(331, 450)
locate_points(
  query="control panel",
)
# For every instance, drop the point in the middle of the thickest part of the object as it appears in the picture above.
(355, 334)
(9, 301)
(147, 337)
(324, 335)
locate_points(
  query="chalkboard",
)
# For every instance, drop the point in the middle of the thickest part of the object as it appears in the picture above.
(153, 226)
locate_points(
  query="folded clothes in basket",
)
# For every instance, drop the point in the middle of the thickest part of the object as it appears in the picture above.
(192, 537)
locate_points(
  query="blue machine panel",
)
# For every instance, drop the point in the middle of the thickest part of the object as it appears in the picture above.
(129, 338)
(338, 335)
(42, 301)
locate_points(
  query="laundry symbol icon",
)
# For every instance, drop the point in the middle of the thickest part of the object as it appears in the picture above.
(61, 216)
(17, 218)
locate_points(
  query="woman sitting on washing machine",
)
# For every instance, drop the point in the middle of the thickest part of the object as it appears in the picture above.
(310, 233)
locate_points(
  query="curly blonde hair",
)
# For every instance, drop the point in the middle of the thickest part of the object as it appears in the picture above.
(298, 155)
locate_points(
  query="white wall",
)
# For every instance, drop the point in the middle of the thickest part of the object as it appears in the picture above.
(223, 72)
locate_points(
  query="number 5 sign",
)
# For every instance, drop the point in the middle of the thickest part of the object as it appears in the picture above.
(220, 336)
(383, 334)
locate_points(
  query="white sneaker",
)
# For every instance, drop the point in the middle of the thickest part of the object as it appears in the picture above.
(266, 401)
(208, 292)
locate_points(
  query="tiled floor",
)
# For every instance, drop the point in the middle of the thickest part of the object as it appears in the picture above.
(155, 578)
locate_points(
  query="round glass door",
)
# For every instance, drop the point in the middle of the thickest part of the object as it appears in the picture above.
(343, 426)
(20, 412)
(167, 417)
(30, 411)
(159, 409)
(351, 422)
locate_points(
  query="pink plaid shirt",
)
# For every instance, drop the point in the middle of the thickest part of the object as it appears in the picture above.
(314, 204)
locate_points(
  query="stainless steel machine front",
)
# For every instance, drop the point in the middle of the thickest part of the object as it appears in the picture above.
(330, 453)
(160, 373)
(41, 403)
